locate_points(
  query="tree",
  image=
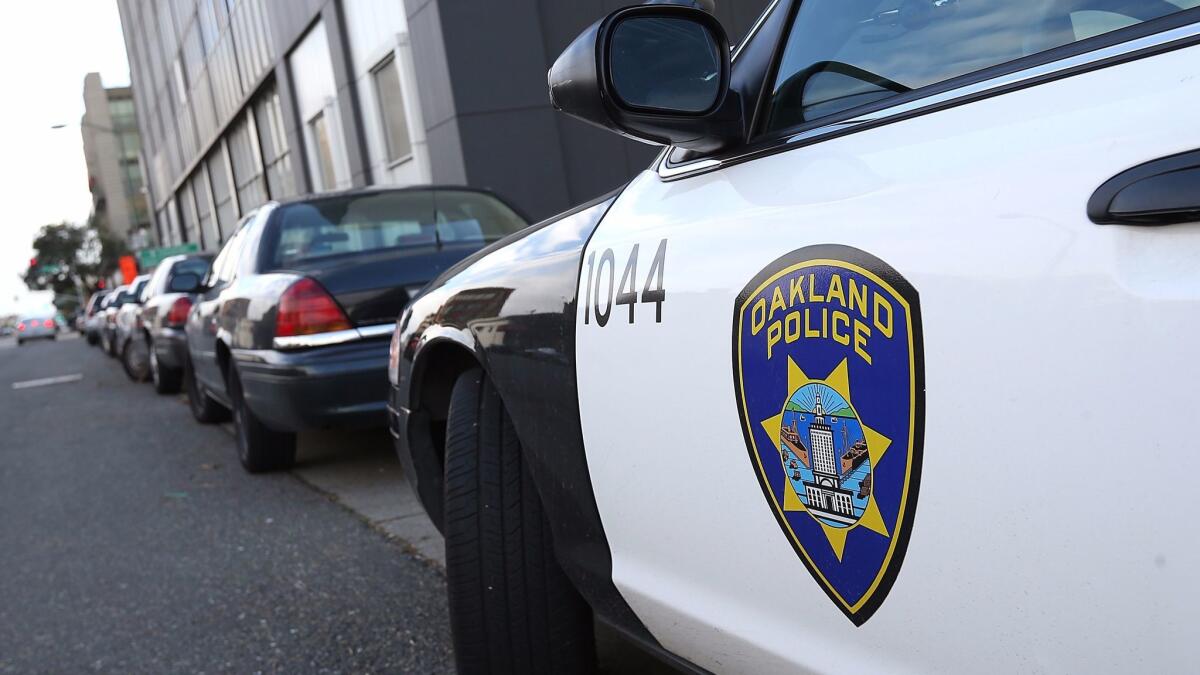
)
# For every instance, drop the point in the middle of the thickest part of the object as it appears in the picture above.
(69, 258)
(56, 261)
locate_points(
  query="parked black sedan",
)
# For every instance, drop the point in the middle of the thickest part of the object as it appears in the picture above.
(291, 330)
(155, 347)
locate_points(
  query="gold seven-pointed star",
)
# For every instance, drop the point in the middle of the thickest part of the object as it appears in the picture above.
(877, 444)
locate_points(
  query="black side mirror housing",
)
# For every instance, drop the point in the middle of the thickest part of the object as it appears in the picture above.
(185, 282)
(656, 73)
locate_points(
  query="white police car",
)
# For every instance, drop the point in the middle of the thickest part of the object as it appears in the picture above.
(946, 248)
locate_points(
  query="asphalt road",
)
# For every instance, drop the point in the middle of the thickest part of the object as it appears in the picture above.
(131, 541)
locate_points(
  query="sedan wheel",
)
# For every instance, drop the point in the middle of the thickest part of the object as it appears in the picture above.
(135, 359)
(260, 448)
(166, 380)
(203, 407)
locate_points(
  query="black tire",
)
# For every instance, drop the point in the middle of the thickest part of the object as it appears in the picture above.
(131, 362)
(20, 342)
(166, 380)
(204, 408)
(93, 339)
(512, 609)
(260, 449)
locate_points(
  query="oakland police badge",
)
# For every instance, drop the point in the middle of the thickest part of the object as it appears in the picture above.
(827, 364)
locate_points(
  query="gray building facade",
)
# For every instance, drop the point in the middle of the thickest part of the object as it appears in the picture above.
(241, 101)
(112, 151)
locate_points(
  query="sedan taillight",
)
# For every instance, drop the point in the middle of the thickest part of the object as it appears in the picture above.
(49, 323)
(21, 326)
(307, 308)
(177, 315)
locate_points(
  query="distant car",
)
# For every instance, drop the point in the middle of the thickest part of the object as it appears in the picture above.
(158, 348)
(125, 322)
(292, 329)
(36, 327)
(91, 317)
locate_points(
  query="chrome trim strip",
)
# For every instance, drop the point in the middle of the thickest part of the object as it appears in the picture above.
(762, 18)
(1033, 72)
(336, 337)
(378, 330)
(699, 165)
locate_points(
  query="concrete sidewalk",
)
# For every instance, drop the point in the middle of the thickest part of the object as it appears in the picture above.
(360, 471)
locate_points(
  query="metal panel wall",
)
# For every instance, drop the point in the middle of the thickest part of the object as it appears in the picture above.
(481, 66)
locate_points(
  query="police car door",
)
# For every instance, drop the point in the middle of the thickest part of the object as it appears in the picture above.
(955, 262)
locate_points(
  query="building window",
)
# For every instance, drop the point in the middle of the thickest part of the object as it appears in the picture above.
(391, 109)
(247, 164)
(222, 195)
(275, 153)
(320, 133)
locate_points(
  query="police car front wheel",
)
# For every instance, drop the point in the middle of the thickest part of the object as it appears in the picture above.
(512, 610)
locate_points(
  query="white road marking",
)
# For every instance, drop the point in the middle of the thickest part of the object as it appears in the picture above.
(47, 381)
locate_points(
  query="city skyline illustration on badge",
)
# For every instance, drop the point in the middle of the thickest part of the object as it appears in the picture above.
(828, 372)
(827, 454)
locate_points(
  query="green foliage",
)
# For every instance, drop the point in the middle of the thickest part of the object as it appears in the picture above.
(57, 251)
(72, 258)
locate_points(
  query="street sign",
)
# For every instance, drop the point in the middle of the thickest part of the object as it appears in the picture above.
(150, 257)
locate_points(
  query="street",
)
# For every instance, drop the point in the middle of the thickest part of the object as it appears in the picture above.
(134, 542)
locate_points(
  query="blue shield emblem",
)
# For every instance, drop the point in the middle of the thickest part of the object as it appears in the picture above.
(829, 377)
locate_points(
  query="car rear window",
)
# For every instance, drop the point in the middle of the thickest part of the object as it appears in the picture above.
(197, 266)
(338, 226)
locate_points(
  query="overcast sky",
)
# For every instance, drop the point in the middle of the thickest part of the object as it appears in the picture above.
(46, 48)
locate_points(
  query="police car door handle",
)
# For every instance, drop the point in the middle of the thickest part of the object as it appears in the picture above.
(1162, 192)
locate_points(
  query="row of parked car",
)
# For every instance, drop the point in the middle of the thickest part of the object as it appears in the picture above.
(287, 328)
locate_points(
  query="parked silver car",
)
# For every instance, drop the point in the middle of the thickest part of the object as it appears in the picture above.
(126, 295)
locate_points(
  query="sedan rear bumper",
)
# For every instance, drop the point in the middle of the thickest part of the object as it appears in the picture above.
(34, 333)
(341, 386)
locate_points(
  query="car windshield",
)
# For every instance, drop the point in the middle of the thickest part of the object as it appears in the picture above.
(336, 226)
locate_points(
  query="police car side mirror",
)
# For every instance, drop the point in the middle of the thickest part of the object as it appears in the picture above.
(656, 73)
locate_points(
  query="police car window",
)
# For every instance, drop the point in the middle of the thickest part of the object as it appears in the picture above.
(844, 53)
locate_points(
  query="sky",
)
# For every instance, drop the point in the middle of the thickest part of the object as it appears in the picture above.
(46, 49)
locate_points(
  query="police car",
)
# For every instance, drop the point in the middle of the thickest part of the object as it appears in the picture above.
(885, 364)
